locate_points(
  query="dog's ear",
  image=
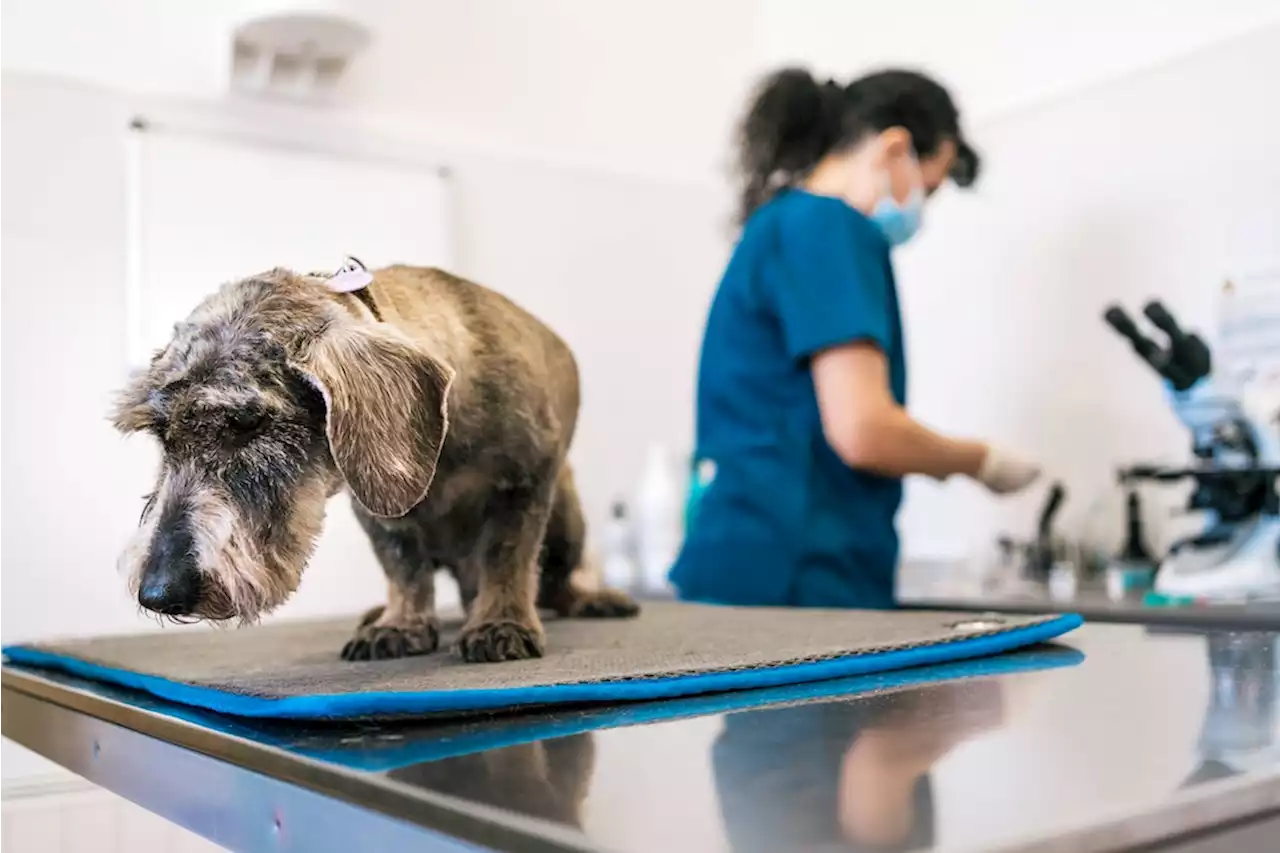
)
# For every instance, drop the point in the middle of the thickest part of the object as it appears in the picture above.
(139, 405)
(133, 409)
(387, 412)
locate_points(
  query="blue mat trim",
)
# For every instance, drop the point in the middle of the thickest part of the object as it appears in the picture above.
(353, 705)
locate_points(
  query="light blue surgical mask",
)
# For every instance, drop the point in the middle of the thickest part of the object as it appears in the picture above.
(899, 221)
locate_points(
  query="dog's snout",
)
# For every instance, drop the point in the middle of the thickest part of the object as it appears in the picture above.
(171, 582)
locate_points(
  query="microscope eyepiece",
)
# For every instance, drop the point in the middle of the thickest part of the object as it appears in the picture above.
(1120, 321)
(1187, 353)
(1186, 360)
(1163, 320)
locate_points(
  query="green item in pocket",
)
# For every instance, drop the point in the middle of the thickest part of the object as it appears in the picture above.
(700, 477)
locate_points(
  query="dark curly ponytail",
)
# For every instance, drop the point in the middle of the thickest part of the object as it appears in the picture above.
(794, 121)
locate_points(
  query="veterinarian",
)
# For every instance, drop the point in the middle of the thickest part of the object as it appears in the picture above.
(802, 433)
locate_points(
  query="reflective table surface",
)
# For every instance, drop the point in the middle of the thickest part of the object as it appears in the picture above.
(1117, 736)
(942, 585)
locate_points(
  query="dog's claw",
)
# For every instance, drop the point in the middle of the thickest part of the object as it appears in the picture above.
(385, 642)
(491, 642)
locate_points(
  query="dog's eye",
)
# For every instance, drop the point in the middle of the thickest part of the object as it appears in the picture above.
(246, 423)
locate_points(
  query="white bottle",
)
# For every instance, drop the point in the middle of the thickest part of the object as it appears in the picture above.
(659, 522)
(619, 550)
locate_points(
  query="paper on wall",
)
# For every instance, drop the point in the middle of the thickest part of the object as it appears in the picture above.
(1247, 352)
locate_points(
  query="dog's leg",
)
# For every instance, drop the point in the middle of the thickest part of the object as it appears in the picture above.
(468, 580)
(570, 766)
(562, 556)
(407, 624)
(503, 623)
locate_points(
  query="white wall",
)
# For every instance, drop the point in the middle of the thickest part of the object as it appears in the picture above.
(1162, 184)
(636, 87)
(645, 88)
(137, 45)
(73, 489)
(624, 268)
(1001, 55)
(70, 815)
(650, 87)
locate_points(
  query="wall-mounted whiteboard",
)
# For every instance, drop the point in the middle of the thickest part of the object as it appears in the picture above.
(206, 209)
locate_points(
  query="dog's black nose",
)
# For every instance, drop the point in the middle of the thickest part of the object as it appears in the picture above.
(171, 578)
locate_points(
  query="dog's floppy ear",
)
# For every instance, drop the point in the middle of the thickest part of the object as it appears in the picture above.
(136, 406)
(139, 405)
(131, 411)
(387, 412)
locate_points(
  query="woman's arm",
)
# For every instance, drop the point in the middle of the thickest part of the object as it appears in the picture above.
(869, 431)
(832, 305)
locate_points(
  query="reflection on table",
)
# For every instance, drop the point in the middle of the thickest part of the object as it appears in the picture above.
(1118, 729)
(857, 772)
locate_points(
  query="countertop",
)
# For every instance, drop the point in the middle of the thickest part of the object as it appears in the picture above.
(1115, 737)
(940, 585)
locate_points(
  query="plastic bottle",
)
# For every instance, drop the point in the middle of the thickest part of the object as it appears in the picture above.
(659, 505)
(620, 570)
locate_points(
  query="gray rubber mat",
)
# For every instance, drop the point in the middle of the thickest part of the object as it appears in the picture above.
(293, 669)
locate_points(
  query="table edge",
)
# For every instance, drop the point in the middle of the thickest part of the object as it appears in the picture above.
(469, 822)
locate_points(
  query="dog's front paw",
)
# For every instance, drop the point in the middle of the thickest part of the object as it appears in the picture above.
(489, 642)
(382, 642)
(603, 604)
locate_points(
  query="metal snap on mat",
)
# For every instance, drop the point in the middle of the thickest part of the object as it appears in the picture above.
(985, 622)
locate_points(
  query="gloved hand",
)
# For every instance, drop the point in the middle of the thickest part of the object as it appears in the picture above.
(1003, 472)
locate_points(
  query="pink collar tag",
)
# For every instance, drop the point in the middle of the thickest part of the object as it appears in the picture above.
(350, 277)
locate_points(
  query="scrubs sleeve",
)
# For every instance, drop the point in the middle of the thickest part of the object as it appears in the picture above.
(834, 287)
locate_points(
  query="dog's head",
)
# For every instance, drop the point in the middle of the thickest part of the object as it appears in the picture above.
(269, 398)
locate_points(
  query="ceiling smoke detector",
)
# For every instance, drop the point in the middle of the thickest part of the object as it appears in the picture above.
(299, 52)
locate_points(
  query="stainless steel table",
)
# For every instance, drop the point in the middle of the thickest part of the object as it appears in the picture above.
(1094, 605)
(927, 585)
(1156, 739)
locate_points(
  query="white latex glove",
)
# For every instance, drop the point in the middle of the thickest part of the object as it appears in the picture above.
(1003, 472)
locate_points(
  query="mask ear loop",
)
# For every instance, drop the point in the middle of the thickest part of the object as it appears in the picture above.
(915, 196)
(915, 200)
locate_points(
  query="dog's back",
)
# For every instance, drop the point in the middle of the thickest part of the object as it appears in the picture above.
(488, 339)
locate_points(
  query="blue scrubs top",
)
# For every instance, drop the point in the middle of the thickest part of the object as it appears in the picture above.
(784, 521)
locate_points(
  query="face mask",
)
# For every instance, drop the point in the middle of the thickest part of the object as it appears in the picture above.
(899, 222)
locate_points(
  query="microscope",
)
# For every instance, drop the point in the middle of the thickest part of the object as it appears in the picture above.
(1235, 445)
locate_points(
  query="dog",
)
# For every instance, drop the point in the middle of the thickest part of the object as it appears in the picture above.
(442, 407)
